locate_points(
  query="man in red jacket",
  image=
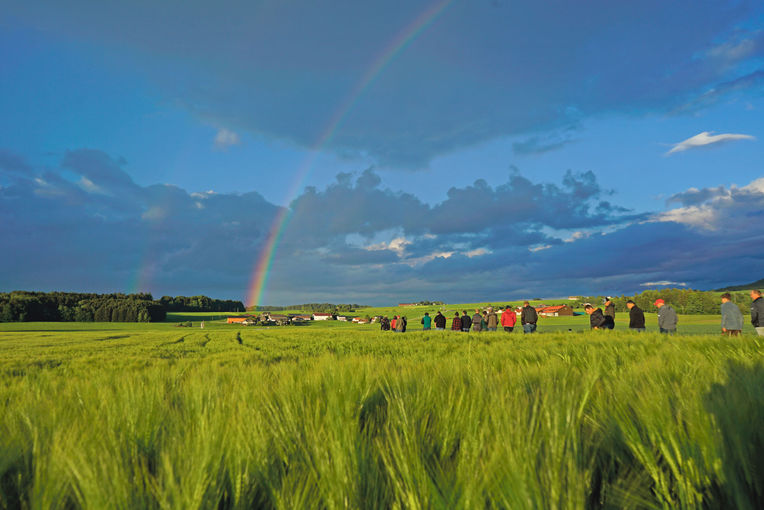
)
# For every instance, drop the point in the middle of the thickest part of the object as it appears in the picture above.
(508, 319)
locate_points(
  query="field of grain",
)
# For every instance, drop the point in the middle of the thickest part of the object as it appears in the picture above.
(154, 416)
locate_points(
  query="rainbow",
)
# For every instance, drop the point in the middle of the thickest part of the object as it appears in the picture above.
(402, 39)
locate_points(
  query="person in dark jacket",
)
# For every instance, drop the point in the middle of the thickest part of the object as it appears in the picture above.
(476, 320)
(528, 318)
(384, 324)
(610, 312)
(466, 322)
(440, 321)
(757, 312)
(456, 325)
(636, 317)
(597, 319)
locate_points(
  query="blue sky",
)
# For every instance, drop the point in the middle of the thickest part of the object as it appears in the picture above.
(506, 149)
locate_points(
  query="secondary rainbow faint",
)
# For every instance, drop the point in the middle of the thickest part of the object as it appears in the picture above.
(259, 280)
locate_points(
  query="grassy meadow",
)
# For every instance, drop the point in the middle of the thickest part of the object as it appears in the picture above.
(115, 415)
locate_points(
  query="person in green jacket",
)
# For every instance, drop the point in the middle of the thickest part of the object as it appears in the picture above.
(426, 322)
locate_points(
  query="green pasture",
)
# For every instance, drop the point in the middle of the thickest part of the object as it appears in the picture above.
(345, 416)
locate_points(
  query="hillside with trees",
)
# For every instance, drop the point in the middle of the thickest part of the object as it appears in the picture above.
(684, 301)
(23, 306)
(200, 304)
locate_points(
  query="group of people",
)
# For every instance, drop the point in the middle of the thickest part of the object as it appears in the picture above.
(732, 318)
(481, 320)
(489, 320)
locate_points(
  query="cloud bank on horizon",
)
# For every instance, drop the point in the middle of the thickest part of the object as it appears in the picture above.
(510, 148)
(86, 225)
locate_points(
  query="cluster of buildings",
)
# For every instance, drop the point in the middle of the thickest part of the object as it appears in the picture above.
(282, 319)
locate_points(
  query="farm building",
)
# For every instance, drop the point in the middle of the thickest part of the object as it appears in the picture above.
(237, 320)
(322, 316)
(301, 318)
(555, 311)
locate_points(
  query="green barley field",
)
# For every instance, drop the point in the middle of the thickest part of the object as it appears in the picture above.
(344, 416)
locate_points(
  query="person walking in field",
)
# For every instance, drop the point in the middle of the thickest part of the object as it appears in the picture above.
(477, 320)
(757, 312)
(384, 324)
(492, 320)
(508, 319)
(394, 323)
(440, 322)
(528, 318)
(426, 321)
(456, 325)
(609, 312)
(636, 317)
(466, 322)
(732, 319)
(597, 319)
(667, 318)
(400, 325)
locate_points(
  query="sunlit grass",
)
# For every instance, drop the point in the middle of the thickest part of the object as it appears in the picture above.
(334, 418)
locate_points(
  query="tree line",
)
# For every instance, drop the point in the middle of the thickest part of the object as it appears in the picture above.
(200, 304)
(684, 301)
(23, 306)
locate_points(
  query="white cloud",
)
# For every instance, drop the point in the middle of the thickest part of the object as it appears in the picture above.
(705, 139)
(662, 283)
(226, 138)
(702, 216)
(477, 252)
(534, 249)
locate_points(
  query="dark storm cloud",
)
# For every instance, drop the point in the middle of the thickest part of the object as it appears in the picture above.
(286, 69)
(361, 241)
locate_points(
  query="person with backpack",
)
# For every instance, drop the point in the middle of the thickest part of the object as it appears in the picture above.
(426, 321)
(477, 320)
(508, 319)
(492, 320)
(394, 323)
(528, 318)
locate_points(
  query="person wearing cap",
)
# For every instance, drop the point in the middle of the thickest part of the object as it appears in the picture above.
(610, 311)
(732, 319)
(636, 317)
(667, 318)
(757, 312)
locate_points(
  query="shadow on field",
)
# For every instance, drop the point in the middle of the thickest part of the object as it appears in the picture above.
(738, 408)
